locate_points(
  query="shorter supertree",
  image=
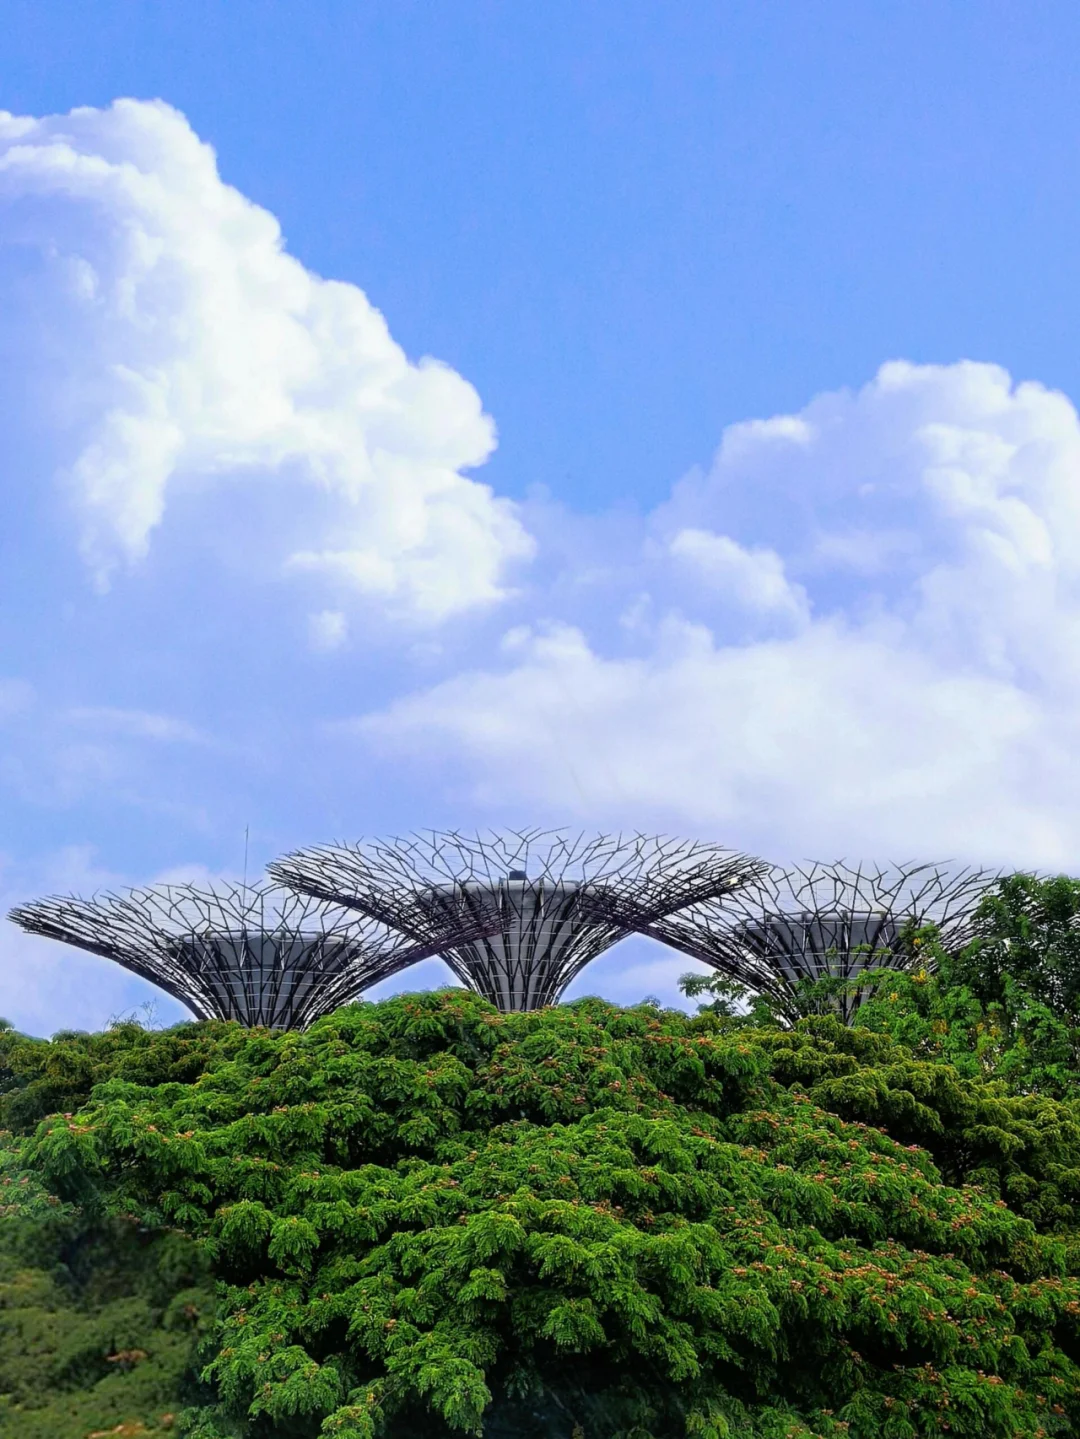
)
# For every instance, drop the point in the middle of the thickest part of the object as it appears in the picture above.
(261, 954)
(530, 908)
(793, 927)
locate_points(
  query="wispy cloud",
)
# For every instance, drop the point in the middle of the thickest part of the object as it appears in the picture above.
(328, 630)
(136, 724)
(16, 696)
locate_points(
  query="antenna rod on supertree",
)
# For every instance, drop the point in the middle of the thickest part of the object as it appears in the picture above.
(260, 954)
(541, 903)
(795, 926)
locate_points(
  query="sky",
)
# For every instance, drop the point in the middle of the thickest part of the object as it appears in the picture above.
(612, 416)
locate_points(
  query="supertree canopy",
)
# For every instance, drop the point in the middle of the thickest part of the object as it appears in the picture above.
(792, 926)
(261, 954)
(538, 904)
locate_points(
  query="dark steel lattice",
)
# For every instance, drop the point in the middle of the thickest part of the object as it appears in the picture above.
(260, 954)
(541, 903)
(824, 921)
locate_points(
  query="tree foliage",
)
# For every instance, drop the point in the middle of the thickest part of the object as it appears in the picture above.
(1007, 1006)
(427, 1218)
(98, 1326)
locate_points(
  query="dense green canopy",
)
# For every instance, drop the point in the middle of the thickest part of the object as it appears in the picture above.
(428, 1218)
(96, 1325)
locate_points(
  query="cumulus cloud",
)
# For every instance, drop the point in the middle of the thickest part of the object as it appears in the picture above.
(944, 497)
(753, 579)
(185, 346)
(923, 534)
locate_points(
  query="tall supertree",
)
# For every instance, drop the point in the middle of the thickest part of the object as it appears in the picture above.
(261, 954)
(791, 926)
(540, 903)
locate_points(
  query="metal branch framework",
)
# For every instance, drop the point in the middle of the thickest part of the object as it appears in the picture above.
(531, 908)
(824, 921)
(261, 954)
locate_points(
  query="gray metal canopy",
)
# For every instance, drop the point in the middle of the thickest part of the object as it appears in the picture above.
(540, 903)
(260, 954)
(793, 926)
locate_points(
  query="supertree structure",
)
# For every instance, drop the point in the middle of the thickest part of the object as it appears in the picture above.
(540, 903)
(803, 924)
(261, 954)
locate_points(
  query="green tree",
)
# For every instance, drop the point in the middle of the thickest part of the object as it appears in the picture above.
(1007, 1005)
(98, 1327)
(429, 1218)
(1030, 939)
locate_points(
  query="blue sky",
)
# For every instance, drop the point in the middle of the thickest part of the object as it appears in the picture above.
(655, 541)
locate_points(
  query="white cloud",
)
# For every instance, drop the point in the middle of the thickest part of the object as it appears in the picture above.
(328, 630)
(136, 724)
(753, 579)
(927, 703)
(60, 757)
(185, 346)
